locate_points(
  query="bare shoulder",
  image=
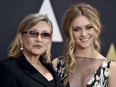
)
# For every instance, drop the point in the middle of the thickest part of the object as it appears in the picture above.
(54, 62)
(113, 66)
(112, 74)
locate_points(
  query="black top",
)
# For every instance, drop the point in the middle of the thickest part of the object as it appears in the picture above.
(18, 72)
(52, 83)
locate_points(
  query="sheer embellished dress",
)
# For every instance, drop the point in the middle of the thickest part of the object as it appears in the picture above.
(89, 72)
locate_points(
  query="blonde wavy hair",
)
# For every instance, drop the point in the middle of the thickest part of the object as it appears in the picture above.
(72, 12)
(28, 22)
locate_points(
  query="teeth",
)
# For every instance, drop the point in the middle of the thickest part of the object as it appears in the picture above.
(84, 39)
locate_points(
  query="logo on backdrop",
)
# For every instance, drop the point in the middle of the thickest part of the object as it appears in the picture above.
(111, 52)
(46, 8)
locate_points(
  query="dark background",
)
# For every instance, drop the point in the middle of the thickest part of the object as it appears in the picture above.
(13, 11)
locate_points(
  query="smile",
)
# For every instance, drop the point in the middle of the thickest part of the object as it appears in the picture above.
(85, 39)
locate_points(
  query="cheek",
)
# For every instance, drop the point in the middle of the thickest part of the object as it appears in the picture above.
(76, 36)
(46, 43)
(46, 46)
(93, 34)
(28, 43)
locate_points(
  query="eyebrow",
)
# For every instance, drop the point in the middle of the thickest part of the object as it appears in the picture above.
(89, 25)
(42, 31)
(80, 27)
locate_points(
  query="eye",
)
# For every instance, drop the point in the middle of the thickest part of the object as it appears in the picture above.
(76, 29)
(33, 33)
(89, 27)
(45, 35)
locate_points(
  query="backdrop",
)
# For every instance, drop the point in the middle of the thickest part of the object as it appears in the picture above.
(13, 11)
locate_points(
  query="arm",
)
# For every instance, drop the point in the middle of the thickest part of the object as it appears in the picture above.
(7, 77)
(54, 62)
(112, 75)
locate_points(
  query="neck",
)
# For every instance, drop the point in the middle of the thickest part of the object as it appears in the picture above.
(32, 59)
(88, 52)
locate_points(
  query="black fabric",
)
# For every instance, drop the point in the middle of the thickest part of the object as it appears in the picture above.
(52, 83)
(18, 72)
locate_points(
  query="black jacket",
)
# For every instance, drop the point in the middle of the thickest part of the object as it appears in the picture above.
(18, 72)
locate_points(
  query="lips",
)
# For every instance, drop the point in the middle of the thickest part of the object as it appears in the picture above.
(85, 39)
(38, 46)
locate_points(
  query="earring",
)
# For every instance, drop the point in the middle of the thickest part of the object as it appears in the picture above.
(21, 48)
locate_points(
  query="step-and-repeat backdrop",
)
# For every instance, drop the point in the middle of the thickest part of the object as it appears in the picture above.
(13, 11)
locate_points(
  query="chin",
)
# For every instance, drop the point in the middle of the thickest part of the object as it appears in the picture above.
(36, 54)
(84, 46)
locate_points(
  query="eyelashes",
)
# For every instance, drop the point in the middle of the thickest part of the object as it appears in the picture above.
(77, 29)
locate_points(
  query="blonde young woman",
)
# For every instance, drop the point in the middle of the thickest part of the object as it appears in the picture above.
(82, 64)
(29, 62)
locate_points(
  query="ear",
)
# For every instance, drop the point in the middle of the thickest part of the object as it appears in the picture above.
(20, 38)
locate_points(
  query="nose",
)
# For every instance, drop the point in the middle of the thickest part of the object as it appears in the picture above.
(83, 32)
(38, 38)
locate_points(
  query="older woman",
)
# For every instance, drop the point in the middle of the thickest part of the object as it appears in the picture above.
(29, 64)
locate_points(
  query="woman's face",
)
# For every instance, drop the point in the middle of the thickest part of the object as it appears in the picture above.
(37, 39)
(83, 32)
